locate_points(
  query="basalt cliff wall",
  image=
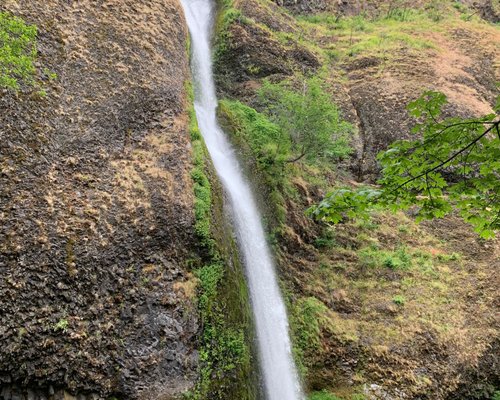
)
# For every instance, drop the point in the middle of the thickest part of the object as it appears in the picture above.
(96, 206)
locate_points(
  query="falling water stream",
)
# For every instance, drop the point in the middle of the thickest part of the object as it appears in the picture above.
(278, 371)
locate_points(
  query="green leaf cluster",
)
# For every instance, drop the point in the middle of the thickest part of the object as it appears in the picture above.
(17, 52)
(345, 203)
(452, 164)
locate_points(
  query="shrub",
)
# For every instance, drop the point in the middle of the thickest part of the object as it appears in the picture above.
(309, 118)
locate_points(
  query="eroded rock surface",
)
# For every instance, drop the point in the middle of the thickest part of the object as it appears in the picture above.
(96, 204)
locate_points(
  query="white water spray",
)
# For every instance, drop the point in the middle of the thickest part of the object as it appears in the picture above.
(280, 377)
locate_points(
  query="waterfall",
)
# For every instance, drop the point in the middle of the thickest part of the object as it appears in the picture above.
(278, 371)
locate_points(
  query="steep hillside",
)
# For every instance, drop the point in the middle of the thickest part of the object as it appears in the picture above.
(487, 9)
(385, 308)
(375, 63)
(96, 205)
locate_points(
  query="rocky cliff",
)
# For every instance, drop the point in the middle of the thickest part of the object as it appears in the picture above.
(96, 206)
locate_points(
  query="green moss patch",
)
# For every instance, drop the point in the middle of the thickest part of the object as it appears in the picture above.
(226, 369)
(17, 52)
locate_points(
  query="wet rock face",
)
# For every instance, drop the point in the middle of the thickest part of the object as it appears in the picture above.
(96, 205)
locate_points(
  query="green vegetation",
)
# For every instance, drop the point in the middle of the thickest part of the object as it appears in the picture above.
(224, 351)
(371, 268)
(308, 118)
(394, 27)
(202, 187)
(449, 257)
(306, 332)
(325, 241)
(398, 260)
(379, 37)
(264, 143)
(62, 325)
(226, 16)
(17, 52)
(324, 395)
(295, 127)
(269, 145)
(399, 300)
(295, 124)
(453, 164)
(373, 282)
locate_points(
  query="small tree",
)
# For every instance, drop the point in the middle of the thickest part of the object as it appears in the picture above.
(454, 163)
(309, 118)
(17, 51)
